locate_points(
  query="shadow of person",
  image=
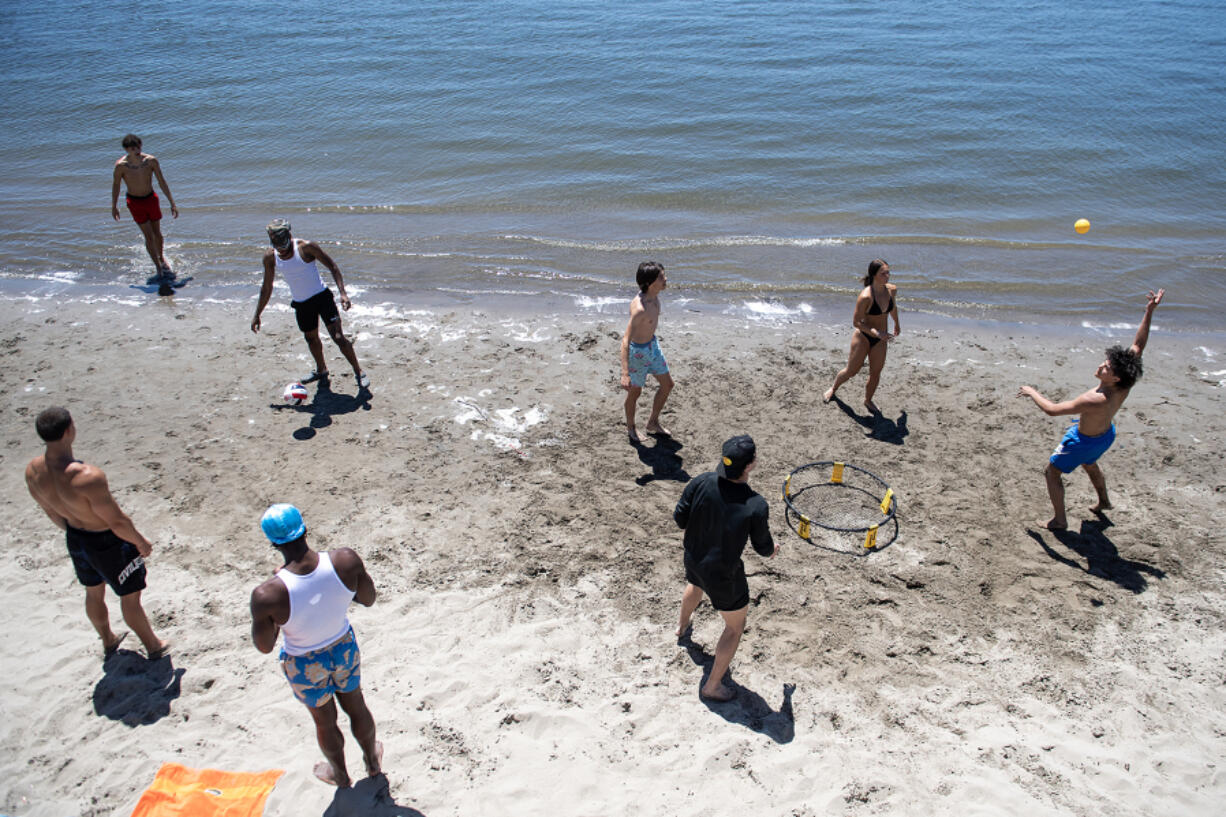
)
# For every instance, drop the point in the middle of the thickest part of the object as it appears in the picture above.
(326, 405)
(662, 458)
(370, 797)
(876, 425)
(135, 690)
(748, 708)
(1102, 557)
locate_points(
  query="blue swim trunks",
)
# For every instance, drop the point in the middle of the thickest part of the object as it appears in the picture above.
(645, 358)
(1079, 449)
(314, 677)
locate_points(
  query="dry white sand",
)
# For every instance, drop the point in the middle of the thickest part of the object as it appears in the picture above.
(520, 658)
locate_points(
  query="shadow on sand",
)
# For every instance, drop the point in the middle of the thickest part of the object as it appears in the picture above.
(877, 425)
(1102, 557)
(662, 458)
(135, 690)
(326, 405)
(368, 798)
(748, 708)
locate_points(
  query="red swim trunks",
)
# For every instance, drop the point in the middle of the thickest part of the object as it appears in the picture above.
(144, 208)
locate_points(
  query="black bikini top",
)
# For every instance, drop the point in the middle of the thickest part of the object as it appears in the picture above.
(876, 310)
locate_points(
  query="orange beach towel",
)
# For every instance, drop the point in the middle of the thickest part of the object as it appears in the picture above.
(178, 791)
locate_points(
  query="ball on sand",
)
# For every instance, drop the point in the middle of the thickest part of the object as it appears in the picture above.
(1082, 225)
(296, 394)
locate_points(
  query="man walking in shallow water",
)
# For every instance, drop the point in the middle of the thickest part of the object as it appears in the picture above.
(1089, 437)
(136, 170)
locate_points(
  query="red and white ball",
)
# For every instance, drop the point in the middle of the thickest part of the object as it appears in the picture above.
(296, 394)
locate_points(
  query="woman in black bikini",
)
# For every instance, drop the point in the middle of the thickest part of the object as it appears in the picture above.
(875, 303)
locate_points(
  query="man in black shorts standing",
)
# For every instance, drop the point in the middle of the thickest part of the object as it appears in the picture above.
(719, 512)
(312, 299)
(106, 548)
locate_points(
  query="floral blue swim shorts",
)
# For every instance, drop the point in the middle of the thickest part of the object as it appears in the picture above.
(314, 677)
(644, 359)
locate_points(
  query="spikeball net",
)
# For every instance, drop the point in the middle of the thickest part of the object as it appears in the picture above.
(830, 503)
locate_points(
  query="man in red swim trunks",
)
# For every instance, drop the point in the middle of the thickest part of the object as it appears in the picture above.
(137, 170)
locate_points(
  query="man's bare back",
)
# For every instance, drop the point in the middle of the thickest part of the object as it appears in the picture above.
(65, 490)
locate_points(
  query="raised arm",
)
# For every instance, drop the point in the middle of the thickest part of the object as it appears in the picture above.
(157, 171)
(313, 252)
(1138, 343)
(1077, 405)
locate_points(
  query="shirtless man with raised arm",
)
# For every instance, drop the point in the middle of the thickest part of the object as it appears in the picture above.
(106, 548)
(136, 170)
(1089, 437)
(640, 353)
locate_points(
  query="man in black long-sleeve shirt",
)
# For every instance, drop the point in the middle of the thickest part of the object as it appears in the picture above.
(719, 513)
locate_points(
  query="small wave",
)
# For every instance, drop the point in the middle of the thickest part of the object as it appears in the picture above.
(768, 310)
(1109, 327)
(673, 243)
(598, 303)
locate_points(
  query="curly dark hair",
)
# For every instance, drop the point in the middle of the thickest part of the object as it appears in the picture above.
(1125, 365)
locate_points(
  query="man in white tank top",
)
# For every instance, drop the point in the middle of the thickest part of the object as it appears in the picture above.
(311, 298)
(307, 601)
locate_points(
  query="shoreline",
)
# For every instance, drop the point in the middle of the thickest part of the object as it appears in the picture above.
(819, 312)
(520, 657)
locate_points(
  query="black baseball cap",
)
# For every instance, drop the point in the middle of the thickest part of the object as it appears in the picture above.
(738, 452)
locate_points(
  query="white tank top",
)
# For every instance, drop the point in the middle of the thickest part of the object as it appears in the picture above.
(302, 277)
(318, 607)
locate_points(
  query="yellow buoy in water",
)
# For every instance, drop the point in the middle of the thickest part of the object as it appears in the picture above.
(1081, 225)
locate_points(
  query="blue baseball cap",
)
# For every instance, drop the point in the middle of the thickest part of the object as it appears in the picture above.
(282, 524)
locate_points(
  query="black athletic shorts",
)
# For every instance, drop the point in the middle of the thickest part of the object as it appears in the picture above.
(100, 556)
(320, 305)
(727, 592)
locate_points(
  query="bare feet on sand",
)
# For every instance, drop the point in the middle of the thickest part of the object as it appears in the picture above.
(721, 694)
(1052, 524)
(161, 651)
(633, 433)
(324, 771)
(828, 396)
(110, 649)
(657, 430)
(871, 406)
(1101, 506)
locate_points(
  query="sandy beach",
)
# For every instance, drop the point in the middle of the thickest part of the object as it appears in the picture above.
(521, 659)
